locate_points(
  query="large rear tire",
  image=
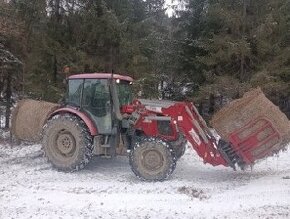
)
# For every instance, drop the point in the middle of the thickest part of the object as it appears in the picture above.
(67, 143)
(152, 159)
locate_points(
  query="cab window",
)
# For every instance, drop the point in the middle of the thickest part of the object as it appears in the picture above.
(74, 92)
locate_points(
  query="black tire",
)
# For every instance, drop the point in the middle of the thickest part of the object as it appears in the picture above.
(179, 147)
(180, 150)
(67, 143)
(152, 159)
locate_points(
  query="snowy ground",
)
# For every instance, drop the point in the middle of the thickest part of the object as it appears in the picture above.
(30, 188)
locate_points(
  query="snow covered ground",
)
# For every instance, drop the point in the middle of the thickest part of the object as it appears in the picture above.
(30, 188)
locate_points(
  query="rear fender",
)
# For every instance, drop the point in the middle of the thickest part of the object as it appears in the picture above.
(89, 123)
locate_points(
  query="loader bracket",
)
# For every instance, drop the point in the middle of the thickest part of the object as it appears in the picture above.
(228, 153)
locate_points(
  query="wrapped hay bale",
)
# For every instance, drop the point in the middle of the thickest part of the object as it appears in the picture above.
(29, 117)
(251, 106)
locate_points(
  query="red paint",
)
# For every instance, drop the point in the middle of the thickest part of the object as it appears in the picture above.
(252, 142)
(129, 109)
(101, 76)
(91, 126)
(256, 143)
(182, 116)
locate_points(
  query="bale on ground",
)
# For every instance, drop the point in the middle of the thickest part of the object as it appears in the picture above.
(251, 106)
(29, 117)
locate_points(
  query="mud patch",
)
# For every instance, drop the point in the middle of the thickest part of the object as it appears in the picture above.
(193, 193)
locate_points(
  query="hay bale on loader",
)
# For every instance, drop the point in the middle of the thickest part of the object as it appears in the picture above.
(253, 105)
(29, 117)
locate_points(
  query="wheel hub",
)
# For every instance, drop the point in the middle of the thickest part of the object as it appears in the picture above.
(66, 143)
(152, 160)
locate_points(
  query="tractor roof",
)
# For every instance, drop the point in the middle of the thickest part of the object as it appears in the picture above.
(100, 76)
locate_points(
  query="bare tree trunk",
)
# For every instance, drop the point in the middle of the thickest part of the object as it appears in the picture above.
(54, 69)
(23, 79)
(1, 85)
(109, 60)
(8, 100)
(57, 10)
(242, 74)
(162, 89)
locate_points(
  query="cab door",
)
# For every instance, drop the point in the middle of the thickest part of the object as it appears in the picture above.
(96, 102)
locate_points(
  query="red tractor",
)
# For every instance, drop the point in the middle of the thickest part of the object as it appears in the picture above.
(100, 117)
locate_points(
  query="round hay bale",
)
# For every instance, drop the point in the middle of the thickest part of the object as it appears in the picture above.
(28, 118)
(252, 105)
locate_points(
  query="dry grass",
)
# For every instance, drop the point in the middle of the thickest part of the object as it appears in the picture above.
(251, 106)
(29, 117)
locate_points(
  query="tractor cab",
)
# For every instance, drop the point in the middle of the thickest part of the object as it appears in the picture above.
(99, 96)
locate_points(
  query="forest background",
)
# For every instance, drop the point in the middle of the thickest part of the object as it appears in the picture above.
(208, 51)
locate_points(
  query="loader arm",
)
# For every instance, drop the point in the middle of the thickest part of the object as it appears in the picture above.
(194, 128)
(182, 119)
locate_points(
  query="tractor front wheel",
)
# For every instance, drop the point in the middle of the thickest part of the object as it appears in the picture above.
(152, 159)
(67, 142)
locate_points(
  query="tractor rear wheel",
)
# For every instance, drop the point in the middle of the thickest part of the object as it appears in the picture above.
(152, 159)
(67, 143)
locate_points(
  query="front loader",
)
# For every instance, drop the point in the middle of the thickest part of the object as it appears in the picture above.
(100, 117)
